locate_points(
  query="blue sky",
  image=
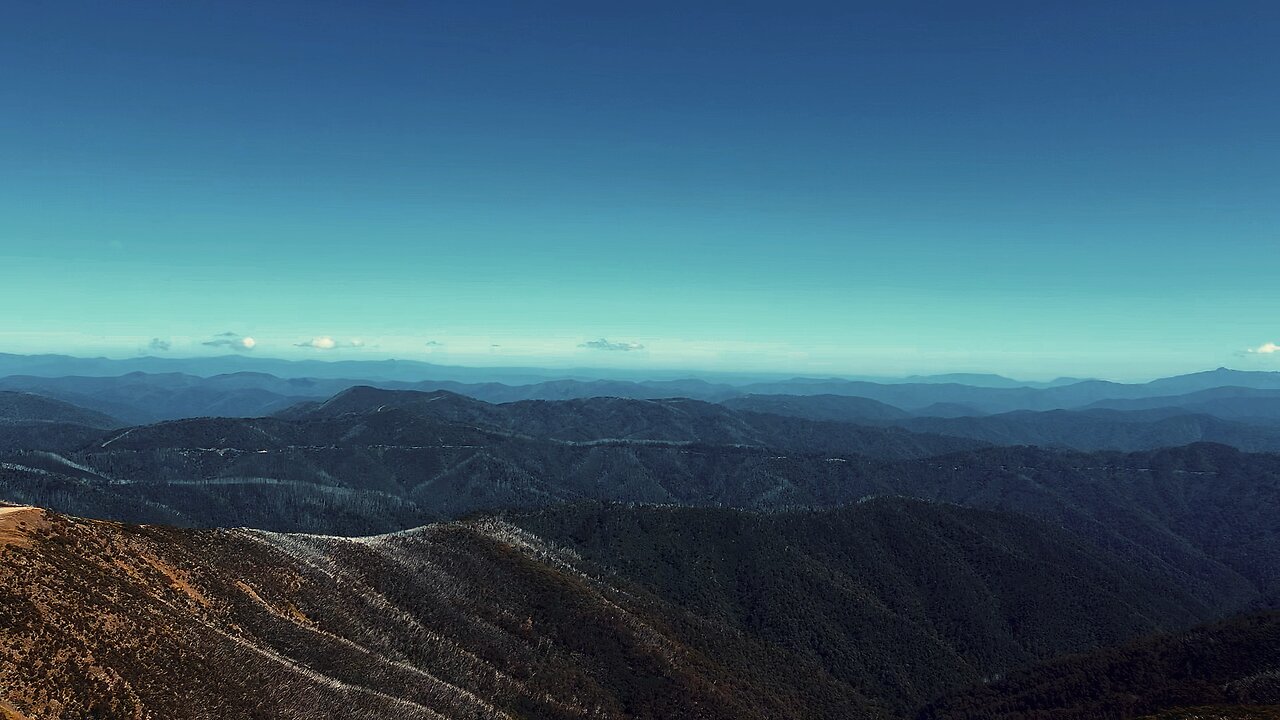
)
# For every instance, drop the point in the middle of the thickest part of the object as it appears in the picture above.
(1037, 189)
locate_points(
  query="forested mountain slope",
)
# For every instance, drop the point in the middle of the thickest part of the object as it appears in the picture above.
(707, 614)
(21, 407)
(1226, 669)
(900, 598)
(613, 418)
(1130, 431)
(1205, 512)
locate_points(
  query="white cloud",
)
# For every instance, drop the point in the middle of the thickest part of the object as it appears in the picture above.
(324, 342)
(603, 344)
(1265, 349)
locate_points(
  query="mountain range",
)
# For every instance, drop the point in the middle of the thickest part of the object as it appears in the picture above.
(88, 377)
(1085, 416)
(247, 545)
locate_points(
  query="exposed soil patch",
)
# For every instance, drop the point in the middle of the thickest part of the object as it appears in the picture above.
(17, 523)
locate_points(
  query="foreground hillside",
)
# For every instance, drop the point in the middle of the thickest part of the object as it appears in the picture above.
(483, 619)
(472, 620)
(898, 597)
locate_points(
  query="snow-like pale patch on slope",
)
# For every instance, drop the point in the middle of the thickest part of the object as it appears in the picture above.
(315, 553)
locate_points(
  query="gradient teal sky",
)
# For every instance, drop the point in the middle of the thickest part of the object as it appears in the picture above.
(1086, 189)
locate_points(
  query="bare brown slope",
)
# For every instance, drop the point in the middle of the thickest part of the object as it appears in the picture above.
(18, 522)
(471, 620)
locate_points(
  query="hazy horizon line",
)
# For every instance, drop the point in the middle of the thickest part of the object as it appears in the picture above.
(601, 372)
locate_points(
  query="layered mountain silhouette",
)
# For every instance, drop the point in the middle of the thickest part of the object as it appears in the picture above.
(165, 390)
